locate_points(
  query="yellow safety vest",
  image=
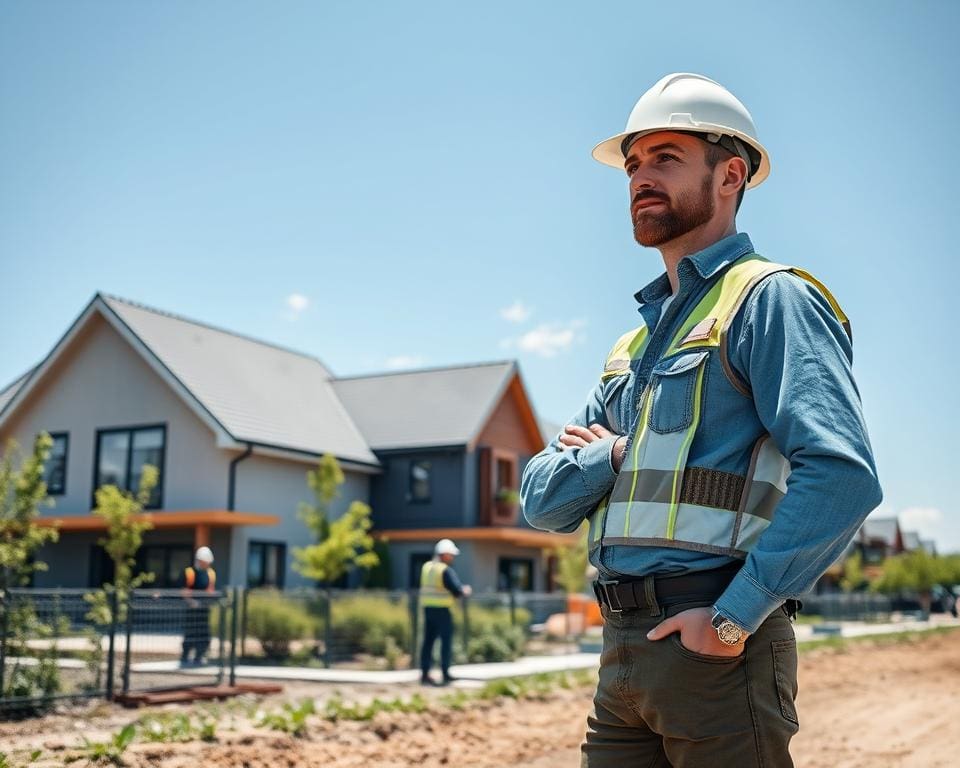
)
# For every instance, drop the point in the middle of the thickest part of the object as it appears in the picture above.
(190, 578)
(432, 592)
(656, 499)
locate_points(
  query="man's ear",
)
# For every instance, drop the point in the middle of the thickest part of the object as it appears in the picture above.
(734, 177)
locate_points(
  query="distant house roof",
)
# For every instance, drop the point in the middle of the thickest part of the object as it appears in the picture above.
(886, 529)
(434, 406)
(250, 390)
(911, 540)
(7, 394)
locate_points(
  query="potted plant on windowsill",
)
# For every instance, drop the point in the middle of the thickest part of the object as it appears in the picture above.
(506, 507)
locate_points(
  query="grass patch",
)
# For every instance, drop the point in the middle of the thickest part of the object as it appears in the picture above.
(886, 638)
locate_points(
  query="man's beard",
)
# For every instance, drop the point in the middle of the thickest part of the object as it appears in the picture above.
(691, 211)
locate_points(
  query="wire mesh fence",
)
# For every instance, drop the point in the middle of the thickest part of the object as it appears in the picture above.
(60, 644)
(849, 606)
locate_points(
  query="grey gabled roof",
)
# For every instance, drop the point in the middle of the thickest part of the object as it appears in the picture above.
(911, 540)
(7, 394)
(259, 392)
(884, 528)
(430, 407)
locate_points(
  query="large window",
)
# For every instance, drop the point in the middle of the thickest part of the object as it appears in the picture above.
(515, 573)
(55, 470)
(266, 564)
(167, 563)
(121, 454)
(420, 481)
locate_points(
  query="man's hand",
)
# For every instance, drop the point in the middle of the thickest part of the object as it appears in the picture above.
(696, 633)
(577, 437)
(467, 590)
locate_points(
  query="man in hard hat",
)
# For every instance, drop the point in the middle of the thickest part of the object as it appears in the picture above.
(722, 459)
(439, 587)
(196, 632)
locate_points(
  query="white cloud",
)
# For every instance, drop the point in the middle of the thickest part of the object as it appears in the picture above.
(517, 312)
(296, 303)
(548, 339)
(923, 519)
(403, 361)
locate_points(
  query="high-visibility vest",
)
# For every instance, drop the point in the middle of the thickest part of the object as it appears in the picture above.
(432, 592)
(656, 499)
(190, 578)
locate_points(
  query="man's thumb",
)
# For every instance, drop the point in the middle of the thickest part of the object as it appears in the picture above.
(664, 628)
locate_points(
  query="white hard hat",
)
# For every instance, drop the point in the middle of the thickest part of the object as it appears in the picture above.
(691, 103)
(445, 547)
(204, 554)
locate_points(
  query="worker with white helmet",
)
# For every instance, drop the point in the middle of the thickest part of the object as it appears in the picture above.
(439, 587)
(196, 632)
(721, 461)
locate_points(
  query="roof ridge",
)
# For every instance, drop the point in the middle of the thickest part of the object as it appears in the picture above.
(430, 369)
(212, 327)
(19, 378)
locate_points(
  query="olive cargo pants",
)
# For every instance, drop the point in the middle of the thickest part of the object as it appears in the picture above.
(659, 704)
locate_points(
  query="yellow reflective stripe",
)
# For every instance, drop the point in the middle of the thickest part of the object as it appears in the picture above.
(598, 517)
(626, 349)
(682, 456)
(636, 447)
(844, 320)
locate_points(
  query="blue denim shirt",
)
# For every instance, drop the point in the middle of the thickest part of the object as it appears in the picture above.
(787, 346)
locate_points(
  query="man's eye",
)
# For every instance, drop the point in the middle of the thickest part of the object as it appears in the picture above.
(663, 157)
(631, 169)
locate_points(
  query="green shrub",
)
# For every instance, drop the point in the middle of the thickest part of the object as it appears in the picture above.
(505, 644)
(276, 622)
(365, 624)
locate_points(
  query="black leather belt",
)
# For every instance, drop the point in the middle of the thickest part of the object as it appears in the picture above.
(655, 591)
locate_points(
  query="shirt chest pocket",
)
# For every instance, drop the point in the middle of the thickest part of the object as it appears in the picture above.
(676, 386)
(616, 399)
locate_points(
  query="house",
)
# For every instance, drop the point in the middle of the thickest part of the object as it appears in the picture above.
(234, 423)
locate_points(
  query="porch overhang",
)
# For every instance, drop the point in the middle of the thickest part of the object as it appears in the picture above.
(190, 518)
(521, 537)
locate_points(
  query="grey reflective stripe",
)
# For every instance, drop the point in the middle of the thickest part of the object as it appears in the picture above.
(673, 544)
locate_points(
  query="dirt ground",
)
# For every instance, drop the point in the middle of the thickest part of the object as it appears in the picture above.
(869, 705)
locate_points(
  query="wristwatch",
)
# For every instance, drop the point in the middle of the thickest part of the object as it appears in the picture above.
(728, 632)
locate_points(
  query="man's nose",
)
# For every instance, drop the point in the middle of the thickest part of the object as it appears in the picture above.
(640, 181)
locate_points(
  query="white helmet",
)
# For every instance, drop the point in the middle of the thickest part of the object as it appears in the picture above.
(204, 554)
(691, 103)
(445, 547)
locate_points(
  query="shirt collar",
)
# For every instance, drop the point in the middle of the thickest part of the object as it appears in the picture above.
(705, 263)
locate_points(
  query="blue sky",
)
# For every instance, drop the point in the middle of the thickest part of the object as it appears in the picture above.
(393, 184)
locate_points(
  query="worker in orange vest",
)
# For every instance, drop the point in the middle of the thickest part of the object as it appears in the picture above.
(196, 631)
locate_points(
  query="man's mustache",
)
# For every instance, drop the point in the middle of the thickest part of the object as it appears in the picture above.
(649, 195)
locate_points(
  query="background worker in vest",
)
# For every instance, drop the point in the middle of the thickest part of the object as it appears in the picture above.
(196, 629)
(722, 460)
(439, 587)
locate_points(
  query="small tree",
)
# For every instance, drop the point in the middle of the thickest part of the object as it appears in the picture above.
(22, 493)
(572, 564)
(917, 571)
(853, 578)
(340, 544)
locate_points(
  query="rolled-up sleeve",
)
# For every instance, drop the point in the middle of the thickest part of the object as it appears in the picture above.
(797, 359)
(561, 487)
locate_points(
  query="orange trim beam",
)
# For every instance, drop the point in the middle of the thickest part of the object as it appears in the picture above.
(213, 518)
(522, 537)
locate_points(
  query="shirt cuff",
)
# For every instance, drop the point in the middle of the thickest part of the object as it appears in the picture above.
(746, 603)
(597, 465)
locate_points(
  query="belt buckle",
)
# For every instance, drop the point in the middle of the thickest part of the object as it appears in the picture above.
(604, 588)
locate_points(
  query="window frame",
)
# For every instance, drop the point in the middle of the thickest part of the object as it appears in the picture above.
(411, 497)
(506, 560)
(130, 430)
(66, 456)
(282, 580)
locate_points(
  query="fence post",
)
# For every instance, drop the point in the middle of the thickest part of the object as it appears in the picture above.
(327, 628)
(126, 645)
(243, 625)
(111, 643)
(233, 635)
(412, 596)
(222, 635)
(466, 624)
(4, 626)
(513, 607)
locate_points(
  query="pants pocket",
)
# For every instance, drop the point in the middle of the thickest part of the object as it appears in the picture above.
(785, 674)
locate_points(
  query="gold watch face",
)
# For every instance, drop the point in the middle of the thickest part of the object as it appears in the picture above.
(729, 633)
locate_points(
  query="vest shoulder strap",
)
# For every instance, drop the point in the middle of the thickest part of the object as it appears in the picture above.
(213, 579)
(625, 350)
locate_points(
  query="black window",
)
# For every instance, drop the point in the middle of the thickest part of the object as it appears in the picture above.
(515, 573)
(121, 454)
(417, 559)
(166, 562)
(55, 470)
(266, 564)
(419, 481)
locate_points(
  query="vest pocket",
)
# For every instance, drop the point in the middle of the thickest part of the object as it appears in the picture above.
(674, 383)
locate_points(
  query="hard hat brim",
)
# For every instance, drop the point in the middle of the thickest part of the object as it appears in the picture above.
(608, 151)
